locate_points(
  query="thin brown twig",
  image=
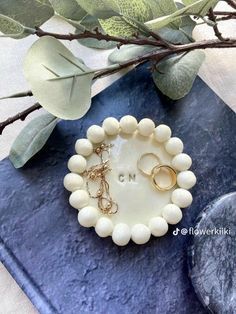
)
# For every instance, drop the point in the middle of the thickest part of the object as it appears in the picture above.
(224, 13)
(100, 36)
(218, 34)
(231, 3)
(225, 18)
(19, 116)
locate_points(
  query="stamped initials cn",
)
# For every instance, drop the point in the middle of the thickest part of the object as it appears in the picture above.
(131, 177)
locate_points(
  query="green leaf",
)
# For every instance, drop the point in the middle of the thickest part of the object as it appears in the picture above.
(59, 81)
(204, 9)
(118, 26)
(31, 139)
(102, 9)
(68, 9)
(174, 36)
(175, 76)
(128, 52)
(187, 26)
(28, 13)
(10, 27)
(187, 23)
(91, 22)
(162, 8)
(198, 8)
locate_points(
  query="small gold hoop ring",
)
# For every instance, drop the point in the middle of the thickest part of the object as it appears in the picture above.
(142, 158)
(172, 173)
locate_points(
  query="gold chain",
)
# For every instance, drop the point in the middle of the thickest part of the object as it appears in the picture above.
(98, 173)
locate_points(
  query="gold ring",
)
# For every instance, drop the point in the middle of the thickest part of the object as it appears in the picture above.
(139, 162)
(172, 173)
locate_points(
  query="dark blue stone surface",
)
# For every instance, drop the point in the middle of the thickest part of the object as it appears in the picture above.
(65, 268)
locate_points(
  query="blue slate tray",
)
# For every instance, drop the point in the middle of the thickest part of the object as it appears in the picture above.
(65, 268)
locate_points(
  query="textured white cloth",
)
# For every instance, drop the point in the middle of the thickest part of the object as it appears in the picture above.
(218, 71)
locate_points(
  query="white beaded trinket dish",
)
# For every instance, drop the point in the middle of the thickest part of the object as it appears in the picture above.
(110, 192)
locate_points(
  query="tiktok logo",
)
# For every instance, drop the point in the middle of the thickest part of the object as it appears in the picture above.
(176, 231)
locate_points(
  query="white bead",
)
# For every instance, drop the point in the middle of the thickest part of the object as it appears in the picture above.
(73, 182)
(83, 147)
(162, 133)
(186, 179)
(174, 146)
(95, 134)
(181, 198)
(158, 226)
(140, 234)
(172, 214)
(88, 216)
(128, 124)
(121, 234)
(77, 163)
(111, 126)
(104, 227)
(146, 127)
(79, 199)
(182, 162)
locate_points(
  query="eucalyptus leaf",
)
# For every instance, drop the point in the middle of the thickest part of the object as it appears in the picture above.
(162, 8)
(128, 52)
(175, 76)
(69, 9)
(204, 9)
(174, 36)
(139, 10)
(91, 22)
(100, 8)
(28, 13)
(10, 27)
(187, 26)
(198, 8)
(59, 81)
(31, 139)
(187, 23)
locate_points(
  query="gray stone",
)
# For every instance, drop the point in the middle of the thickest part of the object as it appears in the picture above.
(212, 258)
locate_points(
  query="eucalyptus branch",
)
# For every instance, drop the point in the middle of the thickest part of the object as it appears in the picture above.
(229, 43)
(166, 49)
(140, 40)
(19, 116)
(96, 34)
(158, 55)
(154, 56)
